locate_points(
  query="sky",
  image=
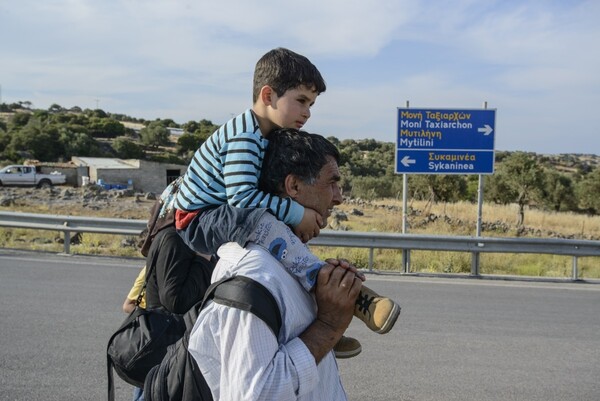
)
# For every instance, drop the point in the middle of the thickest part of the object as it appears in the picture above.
(536, 62)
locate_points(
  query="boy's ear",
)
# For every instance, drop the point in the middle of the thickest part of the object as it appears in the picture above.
(266, 95)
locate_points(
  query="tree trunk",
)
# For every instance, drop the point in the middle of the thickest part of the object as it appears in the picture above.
(521, 215)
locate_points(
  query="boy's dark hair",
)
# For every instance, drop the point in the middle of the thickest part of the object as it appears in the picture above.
(282, 69)
(292, 151)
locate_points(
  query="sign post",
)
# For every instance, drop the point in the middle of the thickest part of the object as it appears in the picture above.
(445, 141)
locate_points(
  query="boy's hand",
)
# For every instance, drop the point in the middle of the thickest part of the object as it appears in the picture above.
(346, 265)
(310, 226)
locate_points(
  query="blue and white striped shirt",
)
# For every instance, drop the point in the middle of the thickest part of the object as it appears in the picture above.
(226, 169)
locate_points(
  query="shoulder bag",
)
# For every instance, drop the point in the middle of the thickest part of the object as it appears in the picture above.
(141, 341)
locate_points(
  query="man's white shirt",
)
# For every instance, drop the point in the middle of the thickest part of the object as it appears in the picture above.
(238, 354)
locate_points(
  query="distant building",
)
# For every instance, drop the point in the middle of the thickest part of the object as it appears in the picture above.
(141, 175)
(175, 131)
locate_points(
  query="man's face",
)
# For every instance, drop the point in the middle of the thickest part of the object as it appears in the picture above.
(292, 110)
(325, 193)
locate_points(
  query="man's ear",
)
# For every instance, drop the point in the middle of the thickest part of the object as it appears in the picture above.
(266, 95)
(292, 185)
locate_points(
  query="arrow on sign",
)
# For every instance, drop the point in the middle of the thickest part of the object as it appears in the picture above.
(407, 161)
(486, 129)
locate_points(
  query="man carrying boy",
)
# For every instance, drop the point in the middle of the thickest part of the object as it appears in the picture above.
(220, 187)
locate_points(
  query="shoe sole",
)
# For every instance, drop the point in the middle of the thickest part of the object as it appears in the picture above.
(347, 354)
(391, 320)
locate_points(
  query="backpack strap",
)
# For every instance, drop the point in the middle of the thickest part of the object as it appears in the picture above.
(242, 293)
(246, 294)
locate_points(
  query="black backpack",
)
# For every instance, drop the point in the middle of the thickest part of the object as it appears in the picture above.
(178, 377)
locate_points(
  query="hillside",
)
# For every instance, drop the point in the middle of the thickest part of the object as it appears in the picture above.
(562, 182)
(563, 162)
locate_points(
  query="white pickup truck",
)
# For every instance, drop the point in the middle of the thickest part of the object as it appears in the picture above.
(22, 175)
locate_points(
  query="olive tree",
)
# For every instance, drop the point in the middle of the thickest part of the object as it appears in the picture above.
(154, 135)
(587, 192)
(518, 179)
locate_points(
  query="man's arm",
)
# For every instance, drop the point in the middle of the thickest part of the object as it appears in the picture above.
(335, 292)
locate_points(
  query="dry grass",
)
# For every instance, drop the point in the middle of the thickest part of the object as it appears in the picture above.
(461, 219)
(53, 241)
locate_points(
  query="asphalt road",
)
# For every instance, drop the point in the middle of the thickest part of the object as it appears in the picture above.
(457, 339)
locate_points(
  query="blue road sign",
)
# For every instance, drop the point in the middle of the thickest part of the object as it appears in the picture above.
(445, 141)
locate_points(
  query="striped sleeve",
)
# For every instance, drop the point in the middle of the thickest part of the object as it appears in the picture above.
(242, 161)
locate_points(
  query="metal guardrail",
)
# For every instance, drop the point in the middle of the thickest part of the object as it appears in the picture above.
(71, 224)
(371, 241)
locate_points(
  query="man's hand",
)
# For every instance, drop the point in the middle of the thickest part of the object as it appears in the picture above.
(346, 265)
(335, 293)
(310, 226)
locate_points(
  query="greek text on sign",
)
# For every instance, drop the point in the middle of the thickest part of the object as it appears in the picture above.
(443, 141)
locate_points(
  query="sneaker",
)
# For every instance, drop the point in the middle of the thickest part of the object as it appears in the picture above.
(378, 313)
(347, 347)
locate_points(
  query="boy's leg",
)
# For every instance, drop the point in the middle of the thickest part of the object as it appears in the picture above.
(281, 242)
(212, 228)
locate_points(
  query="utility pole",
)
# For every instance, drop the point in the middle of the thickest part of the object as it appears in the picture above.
(97, 101)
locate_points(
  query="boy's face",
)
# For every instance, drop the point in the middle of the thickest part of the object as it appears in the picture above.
(292, 110)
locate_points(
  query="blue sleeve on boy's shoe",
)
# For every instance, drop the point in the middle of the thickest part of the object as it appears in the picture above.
(214, 227)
